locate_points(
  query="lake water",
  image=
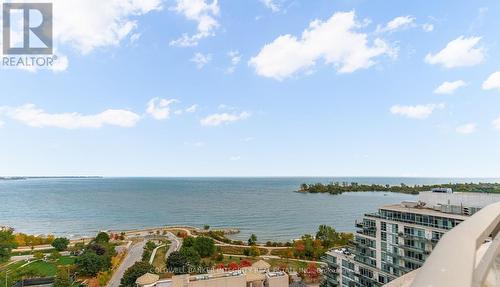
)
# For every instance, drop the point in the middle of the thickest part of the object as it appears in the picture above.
(268, 207)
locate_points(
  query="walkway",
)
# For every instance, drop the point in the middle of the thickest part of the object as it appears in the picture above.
(133, 255)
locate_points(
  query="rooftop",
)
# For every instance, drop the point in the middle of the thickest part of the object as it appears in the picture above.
(423, 211)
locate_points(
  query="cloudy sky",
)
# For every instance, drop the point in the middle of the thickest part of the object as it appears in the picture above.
(260, 88)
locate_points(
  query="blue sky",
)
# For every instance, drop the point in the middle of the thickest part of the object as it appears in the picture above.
(260, 88)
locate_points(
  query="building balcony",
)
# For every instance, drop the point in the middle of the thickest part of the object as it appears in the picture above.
(466, 256)
(413, 248)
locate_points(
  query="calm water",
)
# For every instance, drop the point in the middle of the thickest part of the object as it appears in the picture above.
(267, 207)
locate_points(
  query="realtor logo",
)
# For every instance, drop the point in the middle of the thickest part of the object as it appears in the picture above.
(36, 32)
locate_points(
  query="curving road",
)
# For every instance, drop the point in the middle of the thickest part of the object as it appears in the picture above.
(175, 245)
(133, 255)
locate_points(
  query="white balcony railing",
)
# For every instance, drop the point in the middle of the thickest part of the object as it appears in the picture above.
(466, 256)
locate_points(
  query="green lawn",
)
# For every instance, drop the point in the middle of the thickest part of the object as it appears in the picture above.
(159, 260)
(48, 250)
(238, 250)
(35, 269)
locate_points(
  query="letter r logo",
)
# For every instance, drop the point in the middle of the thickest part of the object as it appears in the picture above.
(42, 31)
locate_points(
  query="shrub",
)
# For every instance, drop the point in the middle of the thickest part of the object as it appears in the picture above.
(233, 266)
(60, 243)
(135, 271)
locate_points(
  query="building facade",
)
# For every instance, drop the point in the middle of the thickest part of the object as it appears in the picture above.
(398, 238)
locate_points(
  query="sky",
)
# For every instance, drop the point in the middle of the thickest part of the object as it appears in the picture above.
(259, 88)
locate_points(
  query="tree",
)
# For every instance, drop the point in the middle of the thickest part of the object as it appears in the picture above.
(191, 256)
(328, 236)
(135, 271)
(60, 244)
(254, 251)
(188, 242)
(245, 263)
(312, 271)
(252, 240)
(38, 255)
(206, 227)
(205, 246)
(177, 263)
(102, 237)
(220, 266)
(89, 264)
(62, 278)
(304, 187)
(7, 243)
(233, 266)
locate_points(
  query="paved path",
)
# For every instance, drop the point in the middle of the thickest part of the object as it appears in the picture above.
(175, 245)
(133, 255)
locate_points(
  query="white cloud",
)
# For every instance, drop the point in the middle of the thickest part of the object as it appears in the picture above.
(85, 25)
(335, 41)
(466, 128)
(192, 109)
(201, 60)
(2, 123)
(397, 23)
(416, 112)
(201, 11)
(222, 118)
(235, 58)
(91, 24)
(493, 82)
(461, 52)
(271, 4)
(448, 88)
(248, 139)
(428, 27)
(159, 108)
(496, 124)
(235, 158)
(32, 116)
(60, 64)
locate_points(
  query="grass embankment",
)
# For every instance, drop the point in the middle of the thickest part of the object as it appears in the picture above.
(40, 268)
(239, 250)
(159, 260)
(28, 252)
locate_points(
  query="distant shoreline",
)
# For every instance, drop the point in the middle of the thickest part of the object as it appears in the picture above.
(44, 177)
(339, 188)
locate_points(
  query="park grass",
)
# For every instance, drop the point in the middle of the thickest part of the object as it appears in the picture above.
(159, 260)
(28, 252)
(280, 252)
(238, 250)
(40, 268)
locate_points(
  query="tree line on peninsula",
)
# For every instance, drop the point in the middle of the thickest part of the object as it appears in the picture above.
(341, 187)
